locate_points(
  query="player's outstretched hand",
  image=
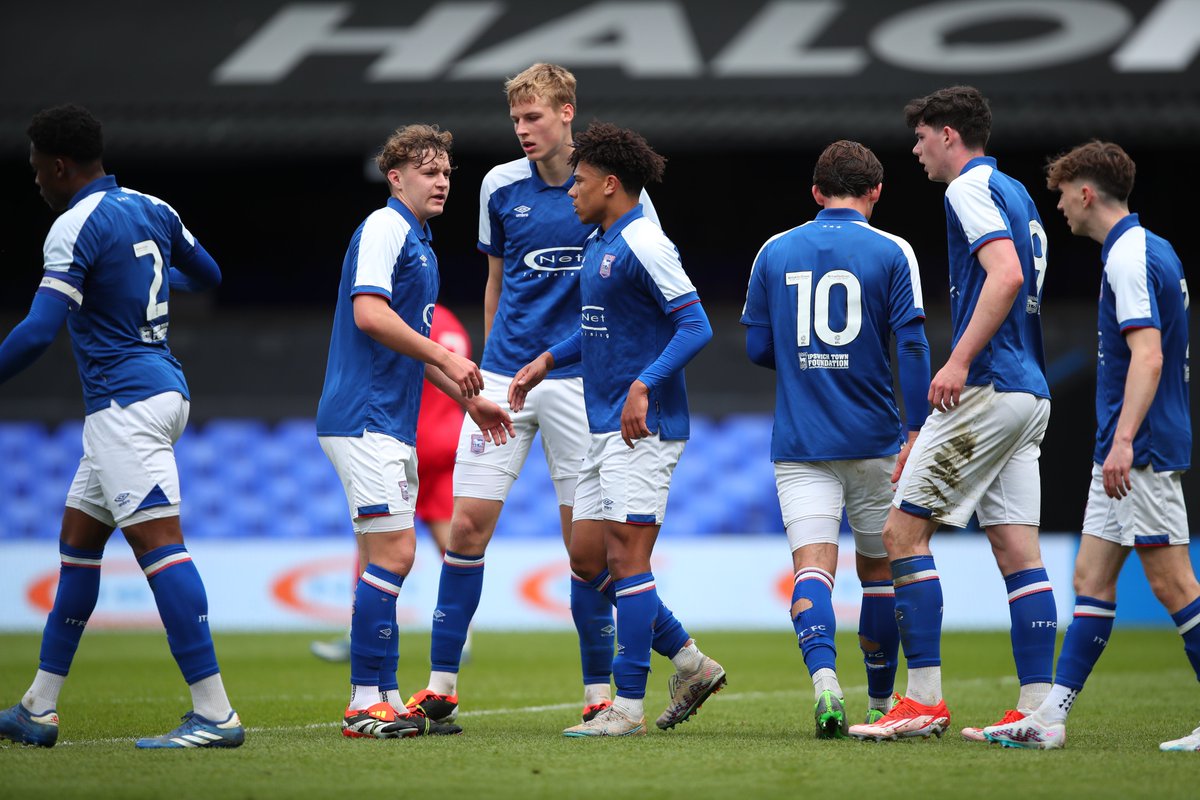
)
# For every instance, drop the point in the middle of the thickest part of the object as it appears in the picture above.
(902, 458)
(946, 388)
(464, 372)
(493, 421)
(633, 415)
(526, 378)
(1116, 469)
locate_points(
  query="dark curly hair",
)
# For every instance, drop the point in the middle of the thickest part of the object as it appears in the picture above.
(69, 131)
(963, 108)
(620, 152)
(847, 169)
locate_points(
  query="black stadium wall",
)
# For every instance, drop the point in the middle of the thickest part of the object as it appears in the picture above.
(256, 121)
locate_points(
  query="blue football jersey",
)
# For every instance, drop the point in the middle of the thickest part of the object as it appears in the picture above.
(368, 386)
(982, 205)
(532, 226)
(107, 255)
(631, 280)
(1143, 286)
(832, 291)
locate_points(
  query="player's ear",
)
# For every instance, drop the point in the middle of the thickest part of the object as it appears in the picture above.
(568, 113)
(818, 198)
(874, 194)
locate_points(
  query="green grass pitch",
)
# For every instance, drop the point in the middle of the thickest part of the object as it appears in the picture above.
(752, 740)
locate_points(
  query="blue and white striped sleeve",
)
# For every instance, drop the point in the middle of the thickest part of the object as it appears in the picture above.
(970, 197)
(69, 251)
(1126, 272)
(663, 267)
(380, 244)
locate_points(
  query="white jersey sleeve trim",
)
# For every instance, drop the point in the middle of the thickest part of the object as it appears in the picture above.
(1125, 271)
(757, 258)
(63, 288)
(59, 250)
(186, 233)
(497, 178)
(970, 195)
(379, 247)
(910, 256)
(658, 255)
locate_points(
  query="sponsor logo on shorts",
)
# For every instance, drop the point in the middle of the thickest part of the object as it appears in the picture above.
(824, 360)
(477, 444)
(606, 265)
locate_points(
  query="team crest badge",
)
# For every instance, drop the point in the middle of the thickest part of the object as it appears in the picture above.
(606, 265)
(803, 358)
(477, 444)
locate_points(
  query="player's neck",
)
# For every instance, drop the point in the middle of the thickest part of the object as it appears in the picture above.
(1106, 219)
(555, 170)
(959, 161)
(862, 205)
(620, 205)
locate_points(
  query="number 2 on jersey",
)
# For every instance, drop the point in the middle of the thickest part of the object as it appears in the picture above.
(812, 307)
(154, 309)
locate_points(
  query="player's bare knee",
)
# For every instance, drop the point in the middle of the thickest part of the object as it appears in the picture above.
(866, 645)
(469, 536)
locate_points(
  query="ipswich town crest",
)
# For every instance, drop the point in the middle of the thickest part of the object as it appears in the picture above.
(606, 265)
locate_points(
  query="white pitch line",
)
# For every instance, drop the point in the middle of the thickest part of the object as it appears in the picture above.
(493, 712)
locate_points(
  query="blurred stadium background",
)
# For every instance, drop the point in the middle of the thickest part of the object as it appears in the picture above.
(257, 120)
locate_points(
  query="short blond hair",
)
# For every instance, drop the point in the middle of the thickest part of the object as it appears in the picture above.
(413, 144)
(549, 82)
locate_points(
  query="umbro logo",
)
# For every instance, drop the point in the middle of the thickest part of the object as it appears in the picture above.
(608, 630)
(522, 210)
(385, 633)
(438, 615)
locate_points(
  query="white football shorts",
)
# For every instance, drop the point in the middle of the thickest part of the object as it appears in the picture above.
(1152, 514)
(555, 407)
(812, 495)
(379, 475)
(621, 484)
(127, 474)
(982, 457)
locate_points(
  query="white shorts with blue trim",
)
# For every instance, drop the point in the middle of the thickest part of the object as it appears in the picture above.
(980, 457)
(555, 407)
(1152, 514)
(621, 484)
(379, 475)
(812, 495)
(128, 474)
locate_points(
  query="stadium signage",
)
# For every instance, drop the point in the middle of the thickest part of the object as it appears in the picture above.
(655, 39)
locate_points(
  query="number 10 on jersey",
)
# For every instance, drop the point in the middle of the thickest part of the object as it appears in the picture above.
(812, 307)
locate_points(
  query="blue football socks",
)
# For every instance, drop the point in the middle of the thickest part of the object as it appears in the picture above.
(373, 635)
(919, 610)
(637, 605)
(78, 590)
(879, 639)
(815, 624)
(593, 617)
(1187, 622)
(1034, 624)
(459, 589)
(1085, 640)
(183, 607)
